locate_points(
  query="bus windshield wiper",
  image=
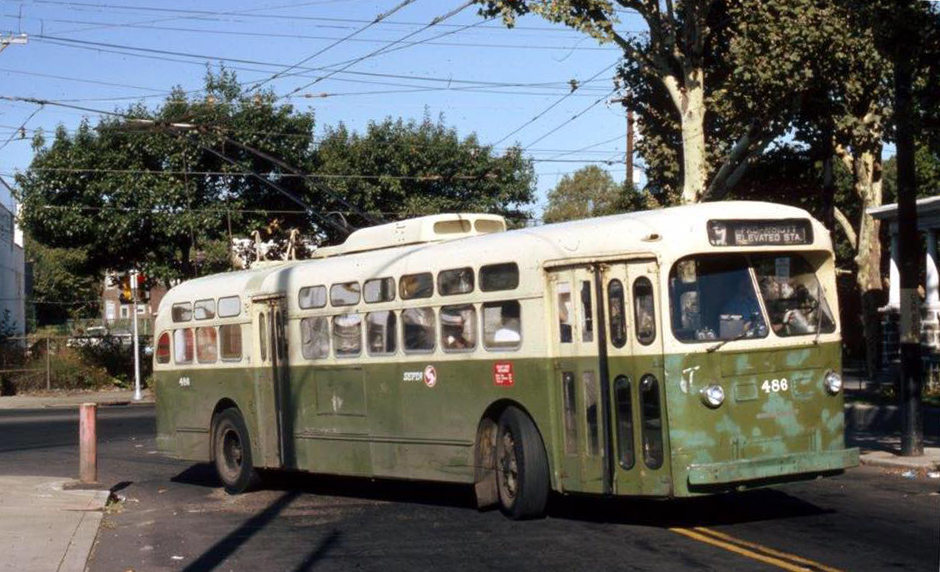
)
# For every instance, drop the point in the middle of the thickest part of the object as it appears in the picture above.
(819, 311)
(723, 342)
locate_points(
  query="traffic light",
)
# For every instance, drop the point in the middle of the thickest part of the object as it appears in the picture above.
(127, 293)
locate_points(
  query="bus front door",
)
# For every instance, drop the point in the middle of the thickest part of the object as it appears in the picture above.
(269, 321)
(577, 380)
(640, 449)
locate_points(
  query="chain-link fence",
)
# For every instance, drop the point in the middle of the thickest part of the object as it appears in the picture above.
(58, 362)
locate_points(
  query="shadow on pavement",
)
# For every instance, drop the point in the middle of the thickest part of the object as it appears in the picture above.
(731, 508)
(224, 548)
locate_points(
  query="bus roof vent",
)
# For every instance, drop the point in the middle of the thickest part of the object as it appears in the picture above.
(433, 228)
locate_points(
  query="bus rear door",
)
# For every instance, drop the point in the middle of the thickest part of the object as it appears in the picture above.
(271, 380)
(577, 380)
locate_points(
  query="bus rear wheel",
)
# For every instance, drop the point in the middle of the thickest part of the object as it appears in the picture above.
(521, 467)
(232, 452)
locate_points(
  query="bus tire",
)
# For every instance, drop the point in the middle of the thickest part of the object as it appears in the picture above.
(522, 479)
(232, 452)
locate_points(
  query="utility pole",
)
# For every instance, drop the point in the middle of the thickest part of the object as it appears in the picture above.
(137, 395)
(912, 424)
(8, 39)
(628, 156)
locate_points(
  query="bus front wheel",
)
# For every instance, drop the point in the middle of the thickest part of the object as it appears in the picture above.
(521, 467)
(232, 452)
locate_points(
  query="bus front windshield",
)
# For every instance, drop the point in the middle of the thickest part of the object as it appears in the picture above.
(713, 297)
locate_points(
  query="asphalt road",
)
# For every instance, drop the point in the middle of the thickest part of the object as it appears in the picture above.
(174, 517)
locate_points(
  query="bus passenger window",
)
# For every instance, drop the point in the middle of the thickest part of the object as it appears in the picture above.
(163, 348)
(263, 336)
(587, 313)
(315, 337)
(644, 310)
(346, 294)
(207, 349)
(204, 309)
(347, 334)
(591, 413)
(624, 422)
(381, 333)
(310, 297)
(183, 346)
(564, 312)
(502, 325)
(230, 340)
(499, 277)
(571, 413)
(379, 290)
(229, 307)
(618, 321)
(419, 327)
(459, 327)
(652, 422)
(414, 286)
(456, 281)
(182, 312)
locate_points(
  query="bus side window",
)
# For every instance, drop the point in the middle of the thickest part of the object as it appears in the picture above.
(587, 313)
(618, 321)
(591, 413)
(419, 326)
(644, 313)
(263, 336)
(183, 346)
(459, 327)
(207, 347)
(230, 341)
(315, 337)
(624, 422)
(347, 335)
(652, 422)
(564, 312)
(502, 325)
(571, 413)
(381, 333)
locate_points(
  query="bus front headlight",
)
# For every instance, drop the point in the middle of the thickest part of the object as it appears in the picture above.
(833, 382)
(713, 395)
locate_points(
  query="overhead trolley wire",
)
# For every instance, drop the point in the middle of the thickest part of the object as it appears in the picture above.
(339, 41)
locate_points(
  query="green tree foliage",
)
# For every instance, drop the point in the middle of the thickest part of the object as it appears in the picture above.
(64, 285)
(414, 168)
(159, 189)
(132, 192)
(589, 192)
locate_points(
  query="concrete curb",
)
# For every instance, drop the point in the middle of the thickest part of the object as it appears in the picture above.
(83, 538)
(888, 460)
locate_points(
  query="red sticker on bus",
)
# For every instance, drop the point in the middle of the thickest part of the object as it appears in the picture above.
(502, 374)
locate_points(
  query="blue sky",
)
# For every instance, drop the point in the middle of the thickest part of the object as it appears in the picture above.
(482, 77)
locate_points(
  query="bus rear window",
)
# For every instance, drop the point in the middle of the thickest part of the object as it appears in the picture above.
(163, 348)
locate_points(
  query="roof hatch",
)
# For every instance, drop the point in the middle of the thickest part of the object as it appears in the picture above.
(433, 228)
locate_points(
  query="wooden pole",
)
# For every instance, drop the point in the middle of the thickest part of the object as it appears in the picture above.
(88, 443)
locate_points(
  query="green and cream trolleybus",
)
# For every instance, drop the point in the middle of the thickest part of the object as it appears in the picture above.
(666, 353)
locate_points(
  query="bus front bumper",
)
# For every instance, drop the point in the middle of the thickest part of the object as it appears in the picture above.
(772, 467)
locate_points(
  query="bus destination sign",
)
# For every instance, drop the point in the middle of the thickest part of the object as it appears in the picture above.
(779, 232)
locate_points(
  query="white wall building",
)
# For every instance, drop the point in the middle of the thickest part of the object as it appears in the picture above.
(12, 272)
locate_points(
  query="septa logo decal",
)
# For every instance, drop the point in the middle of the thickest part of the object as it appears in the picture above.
(430, 376)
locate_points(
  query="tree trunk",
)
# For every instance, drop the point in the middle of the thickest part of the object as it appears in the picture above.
(868, 254)
(694, 164)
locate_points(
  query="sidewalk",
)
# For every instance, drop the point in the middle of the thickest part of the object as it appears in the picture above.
(46, 528)
(69, 400)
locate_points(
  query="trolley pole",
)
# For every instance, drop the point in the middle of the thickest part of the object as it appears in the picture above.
(137, 395)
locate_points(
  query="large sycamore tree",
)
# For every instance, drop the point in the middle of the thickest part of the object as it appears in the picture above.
(721, 93)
